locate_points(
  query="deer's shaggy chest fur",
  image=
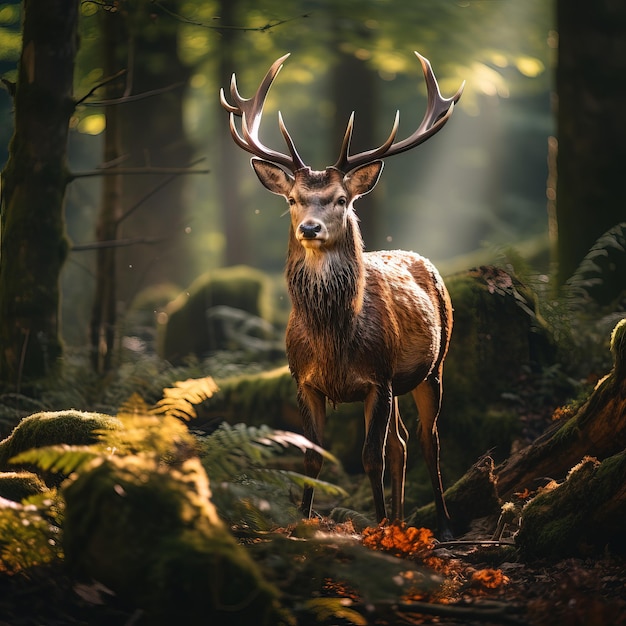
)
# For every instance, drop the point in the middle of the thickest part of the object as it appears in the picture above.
(348, 333)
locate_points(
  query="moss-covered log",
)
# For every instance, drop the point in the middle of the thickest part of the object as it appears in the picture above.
(585, 513)
(33, 244)
(597, 429)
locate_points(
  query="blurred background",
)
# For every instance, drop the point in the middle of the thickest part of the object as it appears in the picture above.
(478, 185)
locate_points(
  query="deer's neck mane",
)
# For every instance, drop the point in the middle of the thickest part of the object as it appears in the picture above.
(327, 286)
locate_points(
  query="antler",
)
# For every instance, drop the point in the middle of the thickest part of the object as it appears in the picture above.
(250, 110)
(438, 112)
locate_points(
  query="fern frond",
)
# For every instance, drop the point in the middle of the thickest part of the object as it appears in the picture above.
(179, 401)
(133, 406)
(59, 459)
(253, 444)
(359, 521)
(286, 478)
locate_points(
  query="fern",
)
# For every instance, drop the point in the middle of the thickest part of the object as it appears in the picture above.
(179, 401)
(30, 533)
(231, 450)
(600, 266)
(246, 488)
(60, 459)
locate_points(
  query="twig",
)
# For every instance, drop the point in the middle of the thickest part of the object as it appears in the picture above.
(117, 243)
(462, 542)
(135, 97)
(499, 612)
(263, 28)
(106, 81)
(135, 171)
(153, 191)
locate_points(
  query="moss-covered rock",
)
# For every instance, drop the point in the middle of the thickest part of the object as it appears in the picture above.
(150, 533)
(19, 485)
(193, 324)
(51, 428)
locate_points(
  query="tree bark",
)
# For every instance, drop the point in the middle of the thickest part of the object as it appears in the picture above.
(33, 245)
(237, 248)
(104, 308)
(348, 70)
(591, 126)
(153, 134)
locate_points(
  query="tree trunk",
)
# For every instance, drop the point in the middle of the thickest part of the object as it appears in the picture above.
(591, 126)
(33, 245)
(348, 70)
(237, 248)
(152, 134)
(104, 308)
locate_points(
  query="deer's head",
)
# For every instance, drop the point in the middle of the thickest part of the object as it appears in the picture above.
(321, 202)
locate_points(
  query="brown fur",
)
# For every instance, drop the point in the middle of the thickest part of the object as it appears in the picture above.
(363, 327)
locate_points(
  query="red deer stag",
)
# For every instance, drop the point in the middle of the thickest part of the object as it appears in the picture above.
(364, 326)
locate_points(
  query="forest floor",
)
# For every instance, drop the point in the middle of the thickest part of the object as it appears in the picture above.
(479, 589)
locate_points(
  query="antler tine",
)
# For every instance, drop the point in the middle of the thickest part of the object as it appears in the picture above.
(250, 110)
(298, 163)
(345, 162)
(438, 112)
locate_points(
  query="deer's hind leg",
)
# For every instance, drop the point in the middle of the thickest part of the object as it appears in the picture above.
(427, 396)
(397, 437)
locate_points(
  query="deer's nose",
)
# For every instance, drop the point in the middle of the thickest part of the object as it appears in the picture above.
(310, 230)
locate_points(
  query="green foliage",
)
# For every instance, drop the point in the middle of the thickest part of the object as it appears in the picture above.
(30, 532)
(600, 276)
(246, 488)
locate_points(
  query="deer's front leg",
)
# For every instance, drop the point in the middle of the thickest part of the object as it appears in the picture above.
(378, 405)
(312, 406)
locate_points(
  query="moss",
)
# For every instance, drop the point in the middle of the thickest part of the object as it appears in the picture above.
(51, 428)
(173, 557)
(19, 485)
(582, 515)
(187, 329)
(618, 349)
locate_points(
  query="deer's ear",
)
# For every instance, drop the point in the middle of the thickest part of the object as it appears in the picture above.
(363, 179)
(273, 177)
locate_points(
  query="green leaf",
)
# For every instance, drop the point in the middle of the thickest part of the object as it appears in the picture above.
(60, 459)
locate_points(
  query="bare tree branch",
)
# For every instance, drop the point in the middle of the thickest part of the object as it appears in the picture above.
(106, 81)
(265, 27)
(135, 97)
(153, 191)
(136, 171)
(117, 243)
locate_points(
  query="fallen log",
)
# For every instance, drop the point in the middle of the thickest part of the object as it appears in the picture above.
(596, 428)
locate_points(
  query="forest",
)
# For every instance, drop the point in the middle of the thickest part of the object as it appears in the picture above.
(155, 440)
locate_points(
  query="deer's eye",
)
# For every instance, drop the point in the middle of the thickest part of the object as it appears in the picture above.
(342, 201)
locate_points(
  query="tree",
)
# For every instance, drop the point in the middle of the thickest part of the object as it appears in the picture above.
(591, 197)
(33, 246)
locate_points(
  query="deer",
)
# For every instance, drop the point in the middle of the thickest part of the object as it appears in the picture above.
(364, 326)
